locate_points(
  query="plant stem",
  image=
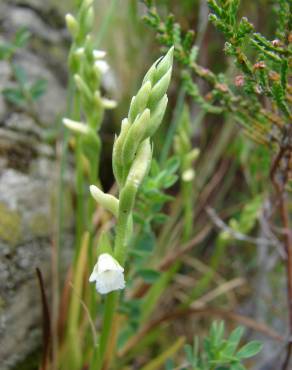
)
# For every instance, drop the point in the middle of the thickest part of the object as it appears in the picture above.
(105, 23)
(288, 246)
(127, 197)
(284, 214)
(173, 125)
(80, 201)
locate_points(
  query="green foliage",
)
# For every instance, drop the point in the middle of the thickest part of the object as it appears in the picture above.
(248, 216)
(263, 64)
(218, 353)
(25, 93)
(152, 196)
(20, 40)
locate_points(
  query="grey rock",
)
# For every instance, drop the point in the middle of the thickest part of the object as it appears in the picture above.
(29, 179)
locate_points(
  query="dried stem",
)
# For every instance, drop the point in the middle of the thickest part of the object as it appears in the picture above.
(260, 327)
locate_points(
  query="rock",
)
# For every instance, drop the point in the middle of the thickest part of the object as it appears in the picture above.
(29, 177)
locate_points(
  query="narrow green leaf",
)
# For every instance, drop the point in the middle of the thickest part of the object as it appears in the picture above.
(249, 350)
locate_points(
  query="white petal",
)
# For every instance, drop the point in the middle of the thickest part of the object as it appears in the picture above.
(108, 103)
(108, 274)
(75, 126)
(106, 263)
(98, 54)
(102, 66)
(110, 281)
(94, 274)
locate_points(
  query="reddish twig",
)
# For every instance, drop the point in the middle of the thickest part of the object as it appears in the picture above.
(279, 178)
(46, 322)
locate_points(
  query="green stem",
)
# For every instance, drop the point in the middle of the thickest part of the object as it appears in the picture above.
(107, 20)
(188, 209)
(111, 301)
(80, 204)
(173, 125)
(127, 198)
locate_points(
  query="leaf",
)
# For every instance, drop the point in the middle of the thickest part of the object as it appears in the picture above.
(189, 353)
(124, 336)
(237, 366)
(149, 275)
(38, 89)
(22, 37)
(217, 332)
(160, 218)
(169, 181)
(233, 342)
(249, 350)
(169, 365)
(14, 96)
(145, 242)
(154, 168)
(20, 74)
(172, 165)
(6, 50)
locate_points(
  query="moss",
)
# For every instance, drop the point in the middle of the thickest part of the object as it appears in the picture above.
(2, 303)
(10, 225)
(39, 225)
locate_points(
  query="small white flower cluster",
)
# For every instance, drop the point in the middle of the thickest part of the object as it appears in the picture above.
(101, 67)
(107, 274)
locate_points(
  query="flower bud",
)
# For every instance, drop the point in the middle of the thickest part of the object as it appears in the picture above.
(139, 102)
(164, 65)
(156, 117)
(83, 87)
(77, 127)
(117, 151)
(108, 201)
(72, 25)
(188, 175)
(193, 154)
(99, 54)
(140, 165)
(159, 89)
(135, 136)
(108, 103)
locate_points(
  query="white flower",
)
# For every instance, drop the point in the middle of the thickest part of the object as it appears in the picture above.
(75, 126)
(101, 66)
(99, 54)
(188, 175)
(108, 274)
(80, 52)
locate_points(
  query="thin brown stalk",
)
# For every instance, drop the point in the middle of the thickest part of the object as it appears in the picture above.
(279, 181)
(173, 256)
(46, 323)
(253, 324)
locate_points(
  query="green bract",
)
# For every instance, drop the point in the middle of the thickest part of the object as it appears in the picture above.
(145, 115)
